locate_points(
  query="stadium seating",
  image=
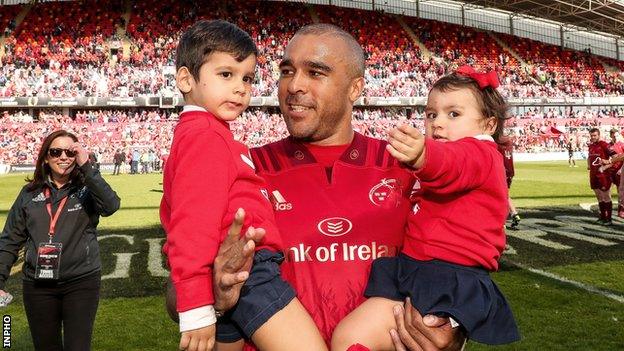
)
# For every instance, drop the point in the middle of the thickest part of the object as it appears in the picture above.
(65, 33)
(7, 18)
(62, 49)
(567, 72)
(154, 37)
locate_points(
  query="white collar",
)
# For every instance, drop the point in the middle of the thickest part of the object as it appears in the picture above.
(485, 137)
(189, 108)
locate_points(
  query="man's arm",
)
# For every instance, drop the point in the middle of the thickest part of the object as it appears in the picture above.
(429, 333)
(613, 159)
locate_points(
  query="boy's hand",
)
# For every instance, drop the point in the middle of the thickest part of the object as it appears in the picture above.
(407, 144)
(202, 339)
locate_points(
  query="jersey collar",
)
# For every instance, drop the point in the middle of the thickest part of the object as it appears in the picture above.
(354, 154)
(195, 108)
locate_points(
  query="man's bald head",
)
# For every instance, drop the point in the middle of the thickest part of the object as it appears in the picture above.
(357, 60)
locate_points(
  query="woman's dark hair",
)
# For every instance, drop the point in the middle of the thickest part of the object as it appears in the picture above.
(42, 169)
(489, 99)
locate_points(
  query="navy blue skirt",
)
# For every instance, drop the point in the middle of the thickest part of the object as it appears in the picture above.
(445, 289)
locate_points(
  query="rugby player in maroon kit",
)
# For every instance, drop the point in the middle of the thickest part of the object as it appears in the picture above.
(616, 145)
(599, 177)
(505, 147)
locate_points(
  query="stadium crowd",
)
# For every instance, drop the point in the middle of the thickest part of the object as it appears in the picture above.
(91, 48)
(106, 131)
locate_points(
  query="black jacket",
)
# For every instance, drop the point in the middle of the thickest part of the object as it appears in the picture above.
(119, 158)
(29, 222)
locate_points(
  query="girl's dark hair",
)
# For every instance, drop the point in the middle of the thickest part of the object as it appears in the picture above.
(42, 169)
(489, 99)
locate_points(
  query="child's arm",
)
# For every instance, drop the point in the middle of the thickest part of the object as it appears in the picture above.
(197, 199)
(445, 167)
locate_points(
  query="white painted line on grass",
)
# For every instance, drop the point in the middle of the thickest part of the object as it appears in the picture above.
(589, 288)
(587, 206)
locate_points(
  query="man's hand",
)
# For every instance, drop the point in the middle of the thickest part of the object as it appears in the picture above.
(407, 145)
(233, 262)
(202, 339)
(430, 333)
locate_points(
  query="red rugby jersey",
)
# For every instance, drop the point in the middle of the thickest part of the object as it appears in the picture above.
(332, 229)
(597, 151)
(463, 207)
(506, 149)
(616, 148)
(208, 177)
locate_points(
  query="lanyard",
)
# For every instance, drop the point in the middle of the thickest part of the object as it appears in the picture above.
(53, 218)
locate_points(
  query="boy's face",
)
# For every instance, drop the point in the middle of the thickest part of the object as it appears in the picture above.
(223, 87)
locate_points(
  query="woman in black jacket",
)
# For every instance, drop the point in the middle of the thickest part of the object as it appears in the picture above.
(55, 216)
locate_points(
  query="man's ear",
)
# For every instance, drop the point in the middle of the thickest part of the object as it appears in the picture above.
(357, 86)
(184, 80)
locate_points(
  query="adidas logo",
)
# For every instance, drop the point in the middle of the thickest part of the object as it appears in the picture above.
(279, 202)
(39, 198)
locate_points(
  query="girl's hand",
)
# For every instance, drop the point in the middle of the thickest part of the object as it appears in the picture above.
(407, 144)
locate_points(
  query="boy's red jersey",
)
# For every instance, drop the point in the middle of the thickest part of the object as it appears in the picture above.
(334, 223)
(208, 177)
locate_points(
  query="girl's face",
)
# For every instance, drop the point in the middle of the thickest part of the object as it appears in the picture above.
(455, 114)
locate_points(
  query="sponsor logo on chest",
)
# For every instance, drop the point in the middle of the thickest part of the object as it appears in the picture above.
(335, 226)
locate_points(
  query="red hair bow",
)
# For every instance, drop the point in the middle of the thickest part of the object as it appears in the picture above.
(488, 79)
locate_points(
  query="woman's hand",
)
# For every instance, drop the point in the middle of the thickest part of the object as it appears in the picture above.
(82, 155)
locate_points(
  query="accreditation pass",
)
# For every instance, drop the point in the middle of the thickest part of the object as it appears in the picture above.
(48, 261)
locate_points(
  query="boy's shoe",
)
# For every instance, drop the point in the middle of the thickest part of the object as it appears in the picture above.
(607, 223)
(600, 221)
(515, 220)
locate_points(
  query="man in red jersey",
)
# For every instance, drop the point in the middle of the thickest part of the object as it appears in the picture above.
(505, 147)
(617, 146)
(340, 199)
(599, 175)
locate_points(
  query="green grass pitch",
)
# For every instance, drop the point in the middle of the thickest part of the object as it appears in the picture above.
(558, 272)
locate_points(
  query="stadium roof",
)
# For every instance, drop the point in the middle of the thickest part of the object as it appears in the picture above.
(595, 15)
